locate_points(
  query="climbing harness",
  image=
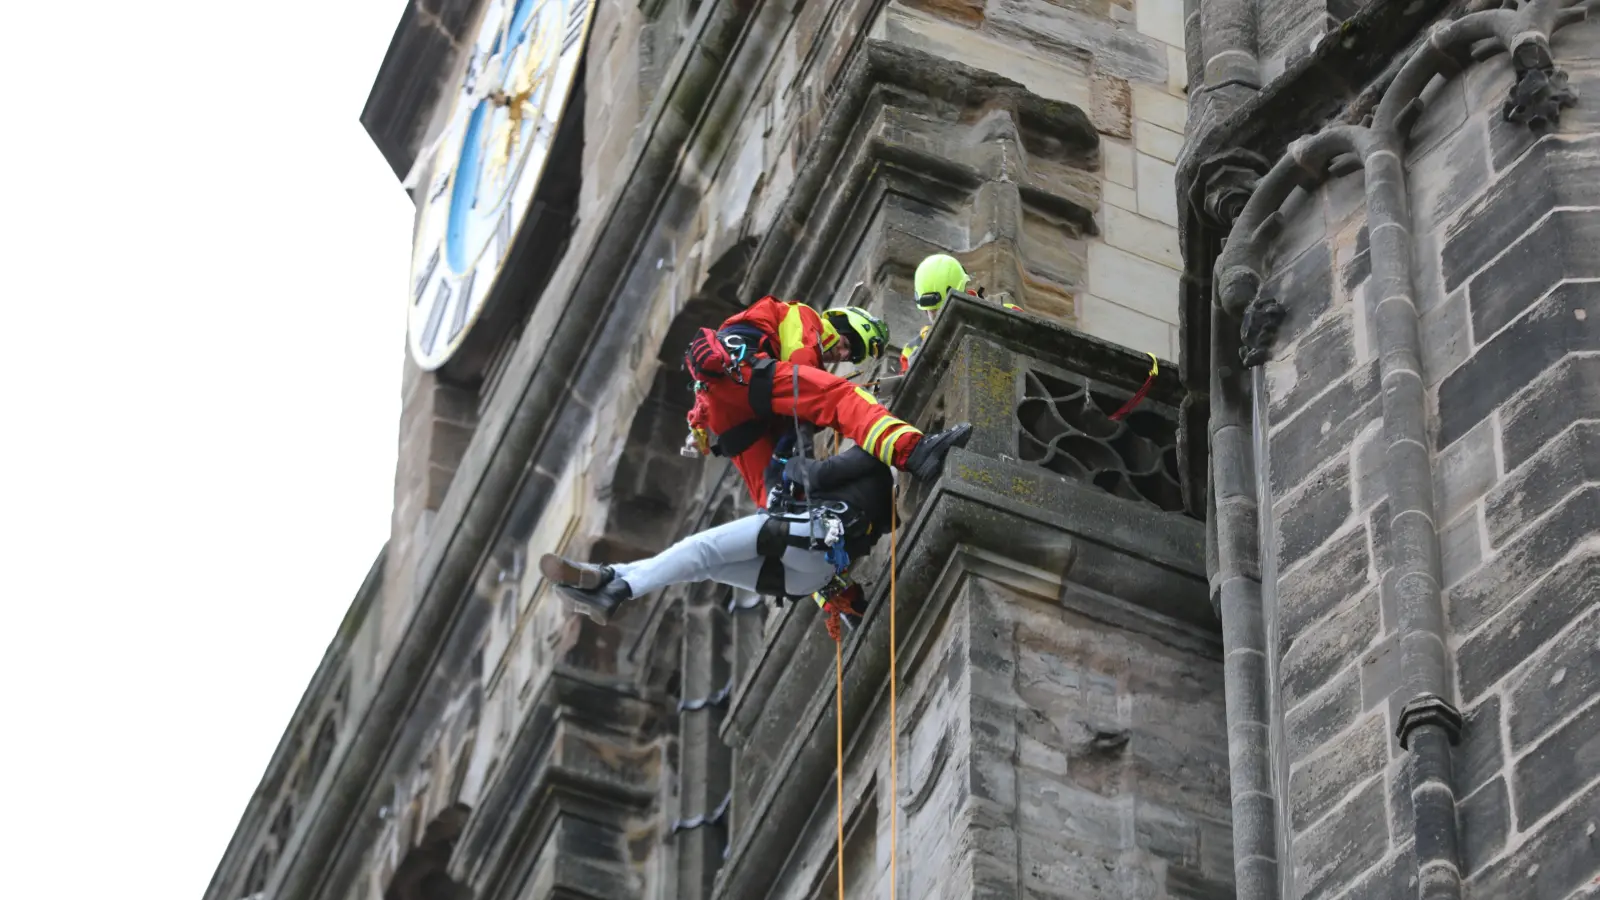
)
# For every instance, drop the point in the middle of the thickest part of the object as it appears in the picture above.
(1155, 368)
(825, 531)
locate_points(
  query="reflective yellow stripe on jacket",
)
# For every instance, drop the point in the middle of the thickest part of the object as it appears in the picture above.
(883, 435)
(792, 333)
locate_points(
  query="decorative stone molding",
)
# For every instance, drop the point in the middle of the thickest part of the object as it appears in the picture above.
(1224, 183)
(1431, 722)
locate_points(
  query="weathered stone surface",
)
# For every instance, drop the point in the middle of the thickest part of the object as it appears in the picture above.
(1555, 173)
(1337, 573)
(1480, 757)
(1560, 247)
(1307, 519)
(1521, 625)
(1316, 784)
(1566, 321)
(1111, 104)
(1460, 548)
(1380, 673)
(1318, 719)
(1371, 475)
(1485, 822)
(1568, 393)
(1322, 357)
(1554, 861)
(1349, 841)
(1158, 194)
(1444, 111)
(1463, 472)
(1325, 428)
(1394, 879)
(1533, 554)
(1563, 677)
(1328, 646)
(1561, 467)
(1446, 338)
(1304, 286)
(1570, 756)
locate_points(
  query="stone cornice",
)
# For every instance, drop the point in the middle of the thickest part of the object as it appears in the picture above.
(423, 53)
(793, 257)
(537, 778)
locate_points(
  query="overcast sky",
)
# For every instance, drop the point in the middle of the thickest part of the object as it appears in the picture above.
(204, 327)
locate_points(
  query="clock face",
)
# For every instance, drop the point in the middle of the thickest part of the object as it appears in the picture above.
(487, 163)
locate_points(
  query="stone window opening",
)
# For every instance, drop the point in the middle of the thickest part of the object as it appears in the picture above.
(423, 873)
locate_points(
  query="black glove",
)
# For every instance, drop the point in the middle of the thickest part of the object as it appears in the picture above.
(798, 470)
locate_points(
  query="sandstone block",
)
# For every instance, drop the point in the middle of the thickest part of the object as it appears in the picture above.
(1524, 623)
(1158, 192)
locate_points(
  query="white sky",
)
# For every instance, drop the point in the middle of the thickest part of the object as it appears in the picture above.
(204, 328)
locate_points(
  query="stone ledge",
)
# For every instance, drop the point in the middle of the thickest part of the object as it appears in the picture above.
(962, 521)
(539, 775)
(1034, 337)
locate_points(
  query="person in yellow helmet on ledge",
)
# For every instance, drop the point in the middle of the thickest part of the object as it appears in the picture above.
(938, 276)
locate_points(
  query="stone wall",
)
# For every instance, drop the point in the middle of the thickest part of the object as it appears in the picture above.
(1122, 63)
(1502, 240)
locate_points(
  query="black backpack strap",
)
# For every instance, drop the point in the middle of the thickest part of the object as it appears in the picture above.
(738, 439)
(761, 387)
(770, 580)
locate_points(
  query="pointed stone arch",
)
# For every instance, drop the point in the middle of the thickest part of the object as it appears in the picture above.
(654, 486)
(423, 873)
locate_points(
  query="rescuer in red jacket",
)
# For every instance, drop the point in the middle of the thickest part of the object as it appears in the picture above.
(794, 332)
(749, 396)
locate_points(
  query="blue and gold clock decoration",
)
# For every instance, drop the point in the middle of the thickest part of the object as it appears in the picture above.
(487, 163)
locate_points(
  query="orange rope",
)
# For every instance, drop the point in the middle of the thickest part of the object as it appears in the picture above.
(894, 727)
(838, 674)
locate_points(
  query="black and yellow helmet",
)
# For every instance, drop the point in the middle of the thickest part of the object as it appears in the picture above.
(867, 333)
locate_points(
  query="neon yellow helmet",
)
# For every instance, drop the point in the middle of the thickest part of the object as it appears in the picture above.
(936, 277)
(867, 333)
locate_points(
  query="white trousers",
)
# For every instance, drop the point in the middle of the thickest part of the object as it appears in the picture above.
(727, 555)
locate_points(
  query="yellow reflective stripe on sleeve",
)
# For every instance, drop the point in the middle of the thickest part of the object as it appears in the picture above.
(862, 393)
(876, 431)
(791, 333)
(887, 443)
(883, 434)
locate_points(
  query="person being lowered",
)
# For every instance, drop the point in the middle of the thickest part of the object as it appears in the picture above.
(851, 504)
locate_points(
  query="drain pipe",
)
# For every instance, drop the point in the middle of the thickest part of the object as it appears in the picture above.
(1429, 723)
(1237, 585)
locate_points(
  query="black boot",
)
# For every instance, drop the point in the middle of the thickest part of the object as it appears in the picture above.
(927, 459)
(595, 590)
